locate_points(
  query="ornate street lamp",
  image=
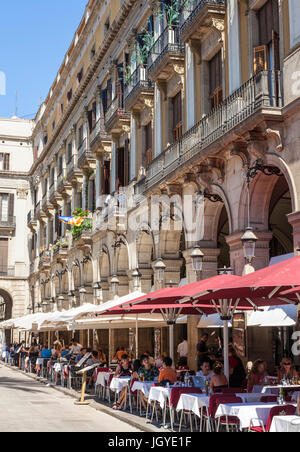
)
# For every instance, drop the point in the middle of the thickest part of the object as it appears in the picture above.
(160, 269)
(197, 259)
(97, 292)
(249, 240)
(82, 294)
(136, 277)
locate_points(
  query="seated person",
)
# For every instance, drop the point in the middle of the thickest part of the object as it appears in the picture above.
(92, 359)
(124, 368)
(120, 353)
(75, 347)
(102, 357)
(287, 370)
(167, 374)
(147, 372)
(218, 379)
(135, 369)
(205, 371)
(258, 375)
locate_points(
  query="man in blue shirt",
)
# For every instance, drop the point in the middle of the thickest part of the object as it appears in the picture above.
(46, 353)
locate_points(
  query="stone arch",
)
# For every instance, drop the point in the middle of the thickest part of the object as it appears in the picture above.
(104, 262)
(6, 305)
(145, 246)
(261, 191)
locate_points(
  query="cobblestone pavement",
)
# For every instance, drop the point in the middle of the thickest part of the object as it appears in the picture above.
(26, 405)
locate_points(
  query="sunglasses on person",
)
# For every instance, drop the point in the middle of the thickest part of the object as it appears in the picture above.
(287, 364)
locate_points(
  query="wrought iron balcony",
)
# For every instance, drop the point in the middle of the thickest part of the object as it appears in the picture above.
(40, 214)
(86, 158)
(138, 88)
(262, 93)
(45, 259)
(198, 13)
(74, 174)
(116, 116)
(98, 133)
(167, 49)
(31, 218)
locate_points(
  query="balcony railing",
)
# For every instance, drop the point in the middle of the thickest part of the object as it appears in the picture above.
(31, 217)
(138, 79)
(168, 42)
(262, 90)
(116, 106)
(71, 166)
(193, 8)
(82, 148)
(98, 131)
(61, 179)
(52, 190)
(8, 222)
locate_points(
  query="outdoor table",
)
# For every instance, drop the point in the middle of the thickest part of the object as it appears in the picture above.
(143, 386)
(193, 403)
(250, 397)
(285, 424)
(102, 378)
(159, 394)
(273, 390)
(246, 411)
(117, 384)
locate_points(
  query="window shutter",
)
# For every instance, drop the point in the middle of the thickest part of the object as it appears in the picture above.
(126, 162)
(109, 92)
(3, 256)
(11, 205)
(260, 59)
(276, 58)
(6, 162)
(0, 207)
(103, 96)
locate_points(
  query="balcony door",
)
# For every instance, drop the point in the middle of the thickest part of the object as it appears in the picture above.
(177, 116)
(266, 55)
(215, 81)
(122, 165)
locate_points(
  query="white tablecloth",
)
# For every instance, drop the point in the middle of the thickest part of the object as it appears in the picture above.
(285, 424)
(272, 390)
(102, 378)
(193, 403)
(117, 384)
(246, 412)
(160, 395)
(144, 386)
(250, 397)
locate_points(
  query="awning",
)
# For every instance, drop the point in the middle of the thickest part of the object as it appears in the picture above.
(274, 316)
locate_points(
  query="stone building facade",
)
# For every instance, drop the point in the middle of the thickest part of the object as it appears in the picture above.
(15, 200)
(166, 99)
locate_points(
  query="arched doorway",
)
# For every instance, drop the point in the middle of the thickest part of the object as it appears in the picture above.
(5, 310)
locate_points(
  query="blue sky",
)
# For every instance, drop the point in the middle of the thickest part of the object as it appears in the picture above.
(34, 37)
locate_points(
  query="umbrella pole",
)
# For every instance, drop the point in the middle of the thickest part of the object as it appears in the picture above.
(171, 340)
(226, 350)
(137, 337)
